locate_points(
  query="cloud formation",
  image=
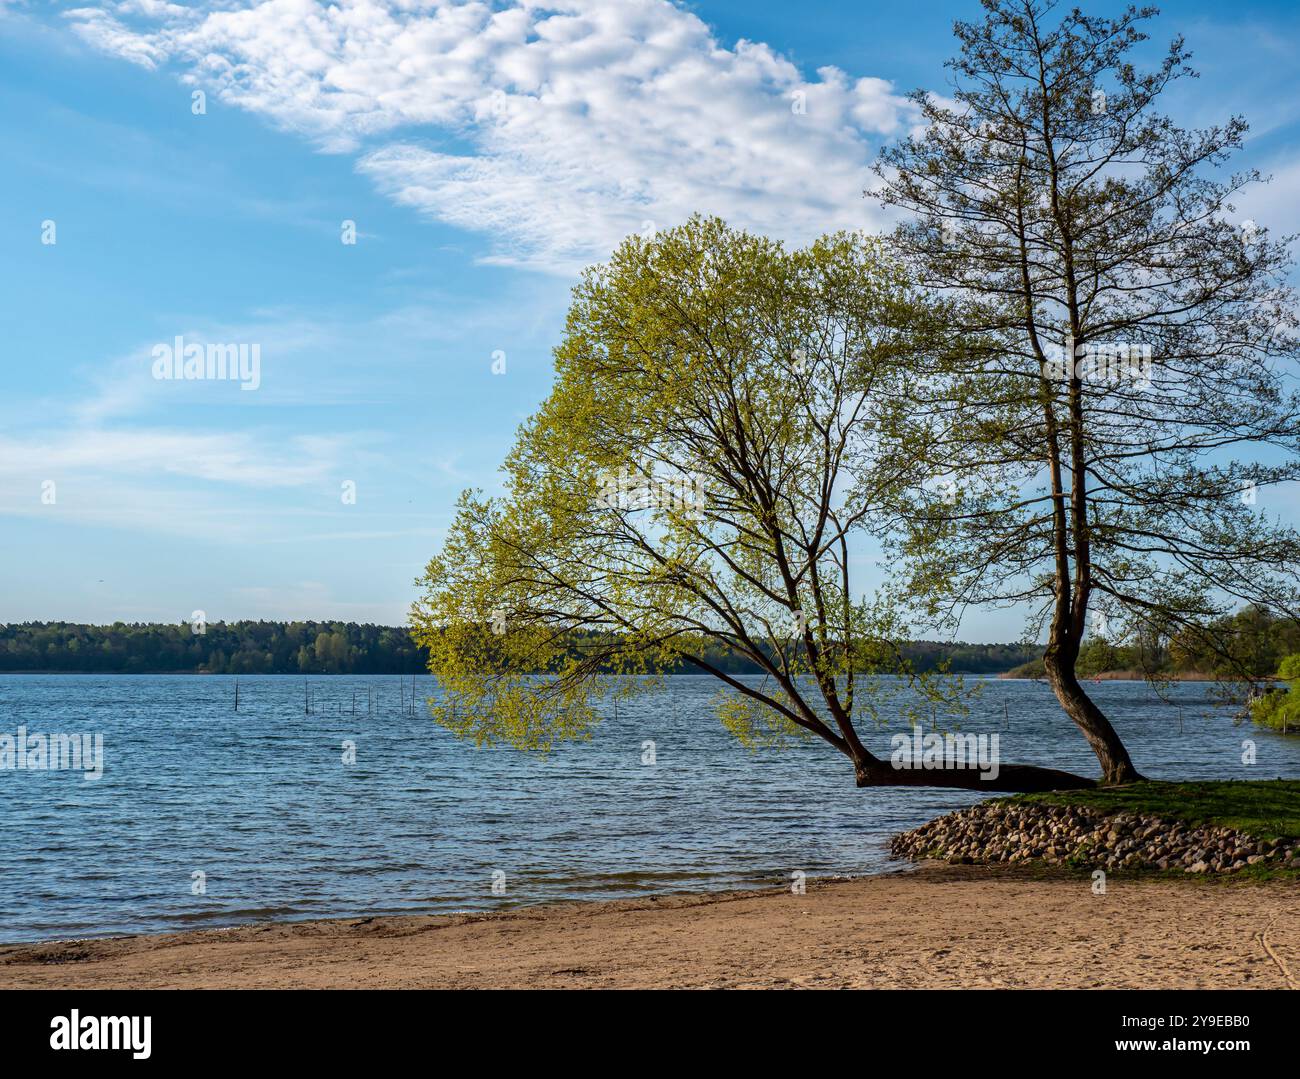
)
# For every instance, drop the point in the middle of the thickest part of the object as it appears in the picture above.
(553, 130)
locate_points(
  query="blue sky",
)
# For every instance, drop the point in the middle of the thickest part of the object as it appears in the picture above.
(485, 153)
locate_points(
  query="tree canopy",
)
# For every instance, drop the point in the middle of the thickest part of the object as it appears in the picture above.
(1061, 383)
(1122, 406)
(264, 647)
(717, 437)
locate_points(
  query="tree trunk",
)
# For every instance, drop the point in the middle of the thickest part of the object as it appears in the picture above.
(1116, 767)
(1019, 778)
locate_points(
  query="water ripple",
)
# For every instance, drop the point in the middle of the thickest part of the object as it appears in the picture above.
(261, 805)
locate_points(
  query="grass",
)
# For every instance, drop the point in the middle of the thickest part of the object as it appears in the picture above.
(1267, 809)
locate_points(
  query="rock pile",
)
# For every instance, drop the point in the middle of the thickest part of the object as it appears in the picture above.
(1012, 832)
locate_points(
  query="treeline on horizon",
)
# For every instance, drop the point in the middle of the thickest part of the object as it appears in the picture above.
(1250, 643)
(331, 648)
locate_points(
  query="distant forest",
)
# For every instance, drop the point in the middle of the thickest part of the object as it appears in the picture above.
(325, 648)
(1251, 643)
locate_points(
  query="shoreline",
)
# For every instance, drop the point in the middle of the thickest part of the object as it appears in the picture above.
(1110, 676)
(936, 927)
(999, 676)
(422, 673)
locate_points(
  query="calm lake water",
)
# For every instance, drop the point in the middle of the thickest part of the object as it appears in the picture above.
(261, 803)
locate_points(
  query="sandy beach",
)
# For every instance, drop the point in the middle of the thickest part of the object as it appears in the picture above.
(941, 926)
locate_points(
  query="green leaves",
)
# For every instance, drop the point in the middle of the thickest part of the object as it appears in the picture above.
(712, 448)
(1061, 235)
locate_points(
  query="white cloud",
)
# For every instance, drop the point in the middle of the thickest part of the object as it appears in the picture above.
(232, 487)
(237, 458)
(105, 32)
(555, 130)
(1273, 205)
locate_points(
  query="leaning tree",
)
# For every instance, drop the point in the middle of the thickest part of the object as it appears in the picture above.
(718, 439)
(1111, 434)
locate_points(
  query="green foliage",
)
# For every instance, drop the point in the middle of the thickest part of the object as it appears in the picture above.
(339, 648)
(764, 376)
(1125, 376)
(1072, 485)
(969, 658)
(1246, 645)
(1098, 654)
(1268, 809)
(223, 648)
(1278, 710)
(1250, 643)
(1033, 668)
(755, 724)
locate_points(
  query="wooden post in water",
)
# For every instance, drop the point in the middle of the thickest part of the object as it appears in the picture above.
(1006, 717)
(306, 701)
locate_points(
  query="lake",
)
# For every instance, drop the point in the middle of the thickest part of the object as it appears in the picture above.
(261, 806)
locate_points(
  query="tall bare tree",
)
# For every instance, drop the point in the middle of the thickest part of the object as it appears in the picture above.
(1110, 435)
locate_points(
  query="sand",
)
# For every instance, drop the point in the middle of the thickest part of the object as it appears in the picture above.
(941, 926)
